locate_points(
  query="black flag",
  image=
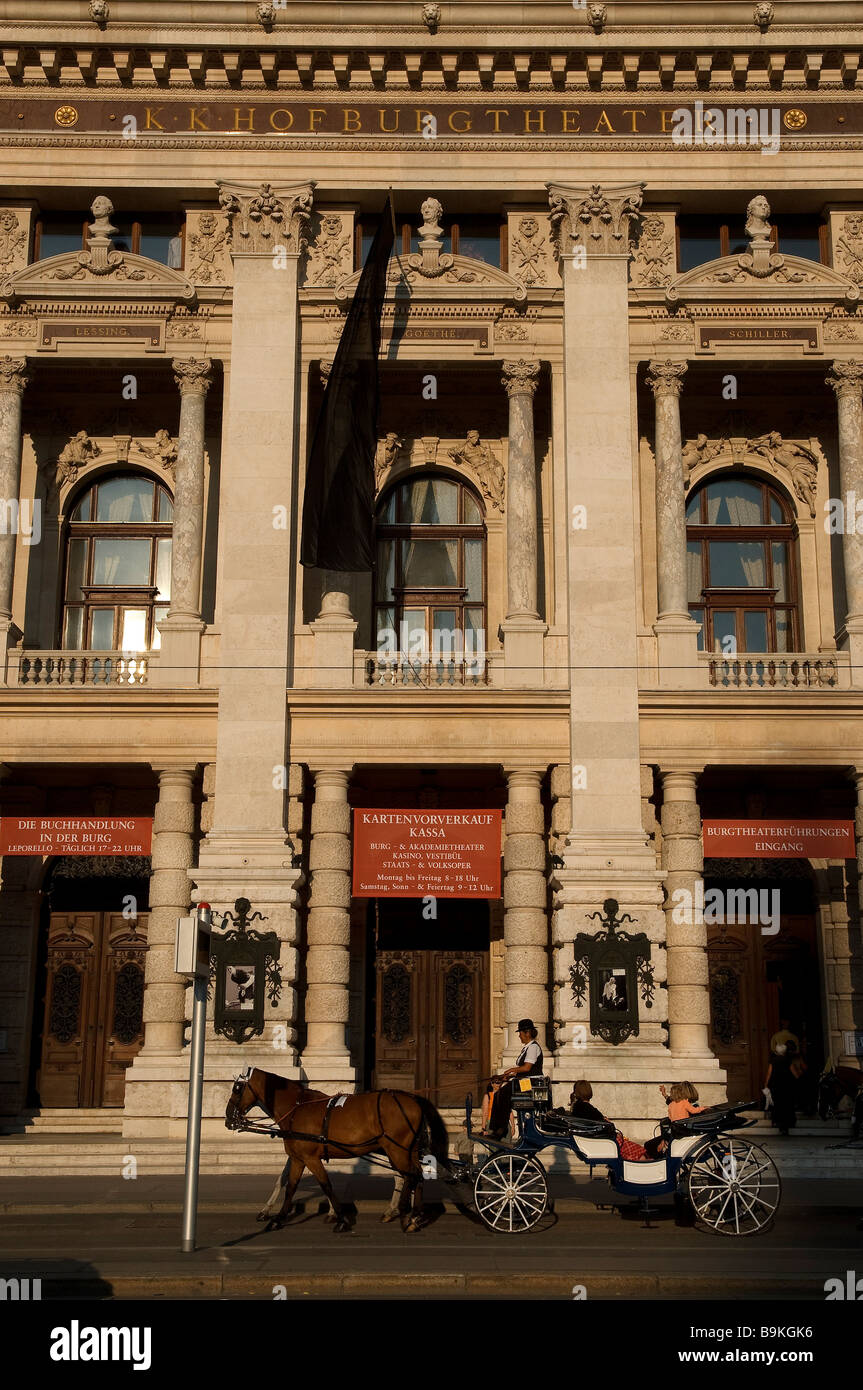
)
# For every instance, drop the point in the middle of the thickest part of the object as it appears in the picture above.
(338, 506)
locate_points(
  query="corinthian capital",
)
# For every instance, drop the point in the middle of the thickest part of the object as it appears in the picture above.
(666, 378)
(265, 216)
(192, 375)
(846, 378)
(13, 374)
(520, 378)
(602, 220)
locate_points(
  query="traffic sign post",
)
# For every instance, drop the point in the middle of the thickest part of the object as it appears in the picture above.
(192, 958)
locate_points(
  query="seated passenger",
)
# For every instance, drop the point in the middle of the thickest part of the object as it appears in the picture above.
(579, 1103)
(681, 1104)
(582, 1094)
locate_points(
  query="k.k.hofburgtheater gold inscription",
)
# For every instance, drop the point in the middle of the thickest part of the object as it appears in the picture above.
(509, 117)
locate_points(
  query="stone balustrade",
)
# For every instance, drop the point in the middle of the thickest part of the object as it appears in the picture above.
(778, 671)
(94, 670)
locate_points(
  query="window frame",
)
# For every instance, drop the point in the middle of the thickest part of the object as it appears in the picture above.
(430, 597)
(736, 599)
(113, 596)
(86, 224)
(405, 230)
(724, 227)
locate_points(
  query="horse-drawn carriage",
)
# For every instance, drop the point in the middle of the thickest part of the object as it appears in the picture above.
(732, 1186)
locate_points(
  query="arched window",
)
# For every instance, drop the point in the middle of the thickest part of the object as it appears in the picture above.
(117, 565)
(742, 567)
(430, 581)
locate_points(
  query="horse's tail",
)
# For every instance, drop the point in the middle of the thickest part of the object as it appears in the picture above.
(436, 1131)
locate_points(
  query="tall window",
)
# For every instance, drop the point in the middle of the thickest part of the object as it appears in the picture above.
(118, 566)
(704, 237)
(430, 581)
(741, 567)
(157, 235)
(480, 235)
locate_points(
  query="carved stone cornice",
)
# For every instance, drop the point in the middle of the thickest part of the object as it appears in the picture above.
(666, 378)
(520, 378)
(602, 220)
(13, 374)
(264, 216)
(846, 378)
(192, 375)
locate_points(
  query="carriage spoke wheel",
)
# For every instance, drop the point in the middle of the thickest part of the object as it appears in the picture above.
(733, 1186)
(510, 1193)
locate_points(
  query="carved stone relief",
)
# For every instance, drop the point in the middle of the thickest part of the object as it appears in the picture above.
(799, 460)
(846, 231)
(100, 260)
(330, 254)
(163, 450)
(654, 261)
(602, 219)
(208, 248)
(531, 249)
(14, 239)
(263, 217)
(760, 262)
(386, 455)
(479, 459)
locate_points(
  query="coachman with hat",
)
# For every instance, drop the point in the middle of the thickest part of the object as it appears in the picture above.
(528, 1063)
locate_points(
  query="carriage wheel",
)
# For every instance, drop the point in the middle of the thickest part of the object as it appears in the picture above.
(733, 1186)
(511, 1193)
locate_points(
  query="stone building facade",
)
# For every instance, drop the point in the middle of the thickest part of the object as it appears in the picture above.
(621, 396)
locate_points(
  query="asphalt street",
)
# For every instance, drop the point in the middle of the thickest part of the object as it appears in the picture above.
(102, 1239)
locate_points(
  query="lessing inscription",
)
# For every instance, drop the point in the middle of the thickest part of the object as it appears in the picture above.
(58, 330)
(505, 118)
(758, 333)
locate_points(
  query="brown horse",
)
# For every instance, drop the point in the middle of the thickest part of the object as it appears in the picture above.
(396, 1123)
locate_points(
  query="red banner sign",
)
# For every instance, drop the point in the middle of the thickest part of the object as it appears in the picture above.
(76, 834)
(418, 854)
(779, 839)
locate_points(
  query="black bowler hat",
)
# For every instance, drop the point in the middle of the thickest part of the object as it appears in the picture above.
(525, 1025)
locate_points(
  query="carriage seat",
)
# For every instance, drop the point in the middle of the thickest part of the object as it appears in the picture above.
(711, 1119)
(561, 1122)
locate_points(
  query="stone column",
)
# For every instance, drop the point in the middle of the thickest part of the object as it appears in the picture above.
(334, 627)
(525, 923)
(180, 656)
(677, 634)
(523, 630)
(846, 379)
(848, 946)
(328, 958)
(172, 858)
(686, 934)
(13, 379)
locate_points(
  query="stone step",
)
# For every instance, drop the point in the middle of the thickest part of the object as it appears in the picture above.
(45, 1155)
(92, 1121)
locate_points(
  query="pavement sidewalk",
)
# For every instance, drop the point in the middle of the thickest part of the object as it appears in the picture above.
(98, 1239)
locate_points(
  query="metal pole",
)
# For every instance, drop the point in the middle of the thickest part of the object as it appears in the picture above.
(196, 1090)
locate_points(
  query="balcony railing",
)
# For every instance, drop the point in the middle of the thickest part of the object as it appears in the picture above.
(93, 670)
(779, 671)
(397, 670)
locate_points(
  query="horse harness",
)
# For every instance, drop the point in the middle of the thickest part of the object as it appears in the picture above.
(347, 1150)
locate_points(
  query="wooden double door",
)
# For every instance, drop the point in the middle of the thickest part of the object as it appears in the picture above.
(432, 1022)
(756, 980)
(93, 1010)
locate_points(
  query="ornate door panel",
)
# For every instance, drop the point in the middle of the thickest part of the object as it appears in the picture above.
(93, 1007)
(459, 1026)
(400, 1034)
(736, 1014)
(431, 1022)
(748, 973)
